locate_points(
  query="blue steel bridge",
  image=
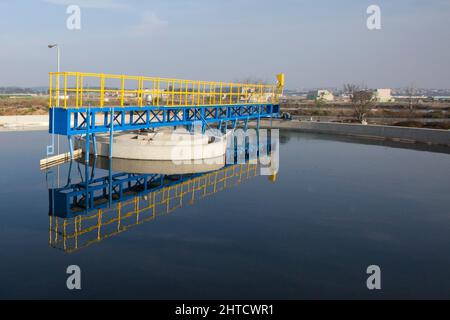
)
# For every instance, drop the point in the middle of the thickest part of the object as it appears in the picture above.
(88, 104)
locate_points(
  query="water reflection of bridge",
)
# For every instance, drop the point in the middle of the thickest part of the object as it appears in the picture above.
(76, 229)
(99, 207)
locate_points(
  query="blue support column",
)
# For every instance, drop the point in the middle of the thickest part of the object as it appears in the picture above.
(93, 168)
(69, 138)
(110, 182)
(88, 138)
(86, 160)
(86, 174)
(94, 143)
(111, 140)
(51, 148)
(111, 131)
(69, 175)
(202, 113)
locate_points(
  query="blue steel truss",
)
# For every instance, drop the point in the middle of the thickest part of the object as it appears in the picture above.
(76, 121)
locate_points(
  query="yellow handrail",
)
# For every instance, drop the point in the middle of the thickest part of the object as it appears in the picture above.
(106, 90)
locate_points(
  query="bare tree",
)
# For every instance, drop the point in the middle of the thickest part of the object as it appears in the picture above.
(362, 103)
(361, 99)
(350, 88)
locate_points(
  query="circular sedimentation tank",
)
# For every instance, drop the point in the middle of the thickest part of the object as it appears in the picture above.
(163, 144)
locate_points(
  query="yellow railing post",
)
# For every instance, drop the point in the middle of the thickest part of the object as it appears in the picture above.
(81, 90)
(210, 98)
(154, 205)
(64, 234)
(50, 91)
(198, 92)
(76, 232)
(168, 200)
(77, 79)
(122, 91)
(186, 93)
(261, 93)
(102, 90)
(173, 92)
(119, 209)
(65, 90)
(99, 224)
(180, 93)
(57, 90)
(56, 229)
(136, 208)
(203, 92)
(141, 91)
(79, 223)
(159, 92)
(50, 231)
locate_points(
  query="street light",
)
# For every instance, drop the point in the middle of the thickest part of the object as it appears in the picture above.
(51, 46)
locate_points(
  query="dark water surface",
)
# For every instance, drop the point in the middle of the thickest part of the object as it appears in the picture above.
(335, 208)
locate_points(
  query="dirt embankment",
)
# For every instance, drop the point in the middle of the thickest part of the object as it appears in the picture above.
(424, 115)
(12, 106)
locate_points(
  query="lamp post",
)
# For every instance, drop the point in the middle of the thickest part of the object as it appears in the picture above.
(58, 59)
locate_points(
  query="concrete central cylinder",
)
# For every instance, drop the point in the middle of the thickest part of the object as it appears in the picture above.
(160, 144)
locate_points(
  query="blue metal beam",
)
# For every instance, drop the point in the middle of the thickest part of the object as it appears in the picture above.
(75, 121)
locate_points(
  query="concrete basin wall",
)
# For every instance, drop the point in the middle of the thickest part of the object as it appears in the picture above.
(429, 136)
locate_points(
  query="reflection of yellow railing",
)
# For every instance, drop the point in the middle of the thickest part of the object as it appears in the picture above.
(77, 89)
(79, 232)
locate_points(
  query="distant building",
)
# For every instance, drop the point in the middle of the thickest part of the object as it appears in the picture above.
(324, 95)
(383, 95)
(441, 98)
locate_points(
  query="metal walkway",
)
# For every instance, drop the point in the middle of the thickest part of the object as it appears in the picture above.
(87, 103)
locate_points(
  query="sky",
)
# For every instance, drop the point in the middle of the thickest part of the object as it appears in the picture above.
(320, 43)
